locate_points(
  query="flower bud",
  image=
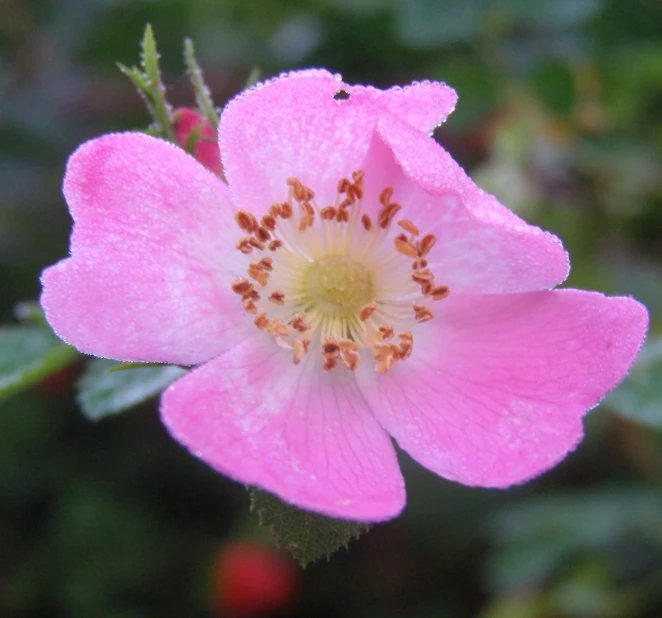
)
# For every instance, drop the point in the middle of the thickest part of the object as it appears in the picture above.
(205, 146)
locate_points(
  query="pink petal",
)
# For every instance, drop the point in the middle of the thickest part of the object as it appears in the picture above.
(430, 167)
(152, 255)
(297, 431)
(293, 127)
(424, 105)
(476, 250)
(496, 387)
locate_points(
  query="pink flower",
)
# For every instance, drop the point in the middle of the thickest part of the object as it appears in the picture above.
(350, 284)
(206, 151)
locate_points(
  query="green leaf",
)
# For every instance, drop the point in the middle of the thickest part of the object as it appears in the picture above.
(639, 397)
(202, 94)
(307, 536)
(28, 354)
(30, 313)
(105, 390)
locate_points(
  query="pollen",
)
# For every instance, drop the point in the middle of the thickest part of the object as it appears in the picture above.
(332, 279)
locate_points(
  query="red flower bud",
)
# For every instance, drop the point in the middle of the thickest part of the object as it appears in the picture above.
(184, 121)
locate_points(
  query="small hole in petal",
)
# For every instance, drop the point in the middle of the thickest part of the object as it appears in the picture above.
(341, 95)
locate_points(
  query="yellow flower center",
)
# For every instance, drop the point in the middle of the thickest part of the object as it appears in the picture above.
(338, 286)
(329, 277)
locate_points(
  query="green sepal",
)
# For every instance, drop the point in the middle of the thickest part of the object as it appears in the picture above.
(253, 77)
(307, 536)
(202, 93)
(148, 82)
(192, 139)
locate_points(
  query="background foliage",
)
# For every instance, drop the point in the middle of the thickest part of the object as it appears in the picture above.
(560, 115)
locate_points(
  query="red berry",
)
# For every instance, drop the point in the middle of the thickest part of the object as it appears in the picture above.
(249, 580)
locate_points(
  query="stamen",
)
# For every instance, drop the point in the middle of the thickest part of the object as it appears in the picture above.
(249, 305)
(350, 357)
(330, 348)
(300, 323)
(426, 243)
(277, 329)
(339, 285)
(241, 286)
(286, 210)
(423, 314)
(246, 221)
(342, 216)
(275, 210)
(261, 321)
(386, 332)
(407, 225)
(386, 356)
(255, 272)
(328, 213)
(343, 185)
(422, 276)
(244, 245)
(405, 247)
(385, 196)
(406, 345)
(440, 292)
(299, 347)
(266, 264)
(262, 234)
(366, 311)
(269, 222)
(387, 213)
(277, 297)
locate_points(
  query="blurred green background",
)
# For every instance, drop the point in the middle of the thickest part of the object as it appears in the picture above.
(560, 115)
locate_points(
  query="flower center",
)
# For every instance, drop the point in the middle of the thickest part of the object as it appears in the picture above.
(331, 278)
(338, 286)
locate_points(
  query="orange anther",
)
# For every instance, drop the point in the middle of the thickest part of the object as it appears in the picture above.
(241, 286)
(244, 245)
(385, 196)
(407, 225)
(269, 222)
(422, 276)
(426, 243)
(366, 311)
(300, 323)
(440, 292)
(386, 332)
(261, 321)
(286, 210)
(277, 297)
(423, 314)
(328, 213)
(405, 247)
